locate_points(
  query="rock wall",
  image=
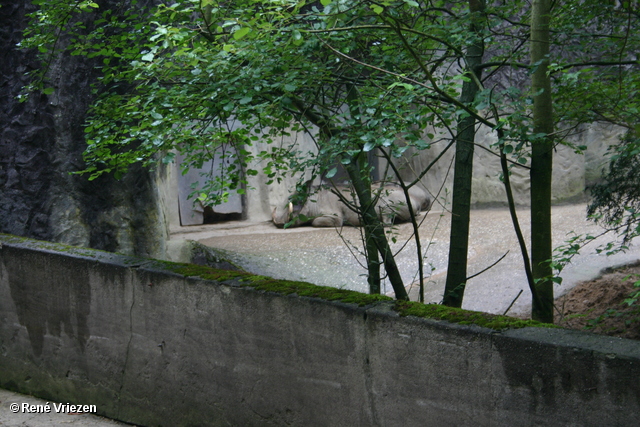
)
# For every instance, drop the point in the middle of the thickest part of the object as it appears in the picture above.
(41, 144)
(573, 172)
(152, 347)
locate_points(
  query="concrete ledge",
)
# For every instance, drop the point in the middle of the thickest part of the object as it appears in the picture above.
(151, 347)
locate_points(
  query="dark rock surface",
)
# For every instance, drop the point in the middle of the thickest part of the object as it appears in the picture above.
(41, 143)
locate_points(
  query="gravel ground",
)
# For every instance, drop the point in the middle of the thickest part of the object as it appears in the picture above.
(331, 257)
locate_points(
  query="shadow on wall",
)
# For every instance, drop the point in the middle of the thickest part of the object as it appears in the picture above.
(61, 307)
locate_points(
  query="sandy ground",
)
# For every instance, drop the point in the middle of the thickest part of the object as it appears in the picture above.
(333, 257)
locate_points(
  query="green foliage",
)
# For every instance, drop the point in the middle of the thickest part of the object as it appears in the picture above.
(616, 200)
(197, 76)
(596, 76)
(201, 77)
(635, 295)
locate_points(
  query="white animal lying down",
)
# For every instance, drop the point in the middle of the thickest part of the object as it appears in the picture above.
(324, 208)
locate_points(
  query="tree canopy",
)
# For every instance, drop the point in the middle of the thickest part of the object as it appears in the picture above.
(208, 78)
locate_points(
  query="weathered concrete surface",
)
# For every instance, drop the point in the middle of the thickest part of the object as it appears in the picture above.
(154, 348)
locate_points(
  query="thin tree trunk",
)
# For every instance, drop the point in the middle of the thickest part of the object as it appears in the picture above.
(374, 229)
(373, 263)
(514, 220)
(541, 164)
(461, 203)
(371, 248)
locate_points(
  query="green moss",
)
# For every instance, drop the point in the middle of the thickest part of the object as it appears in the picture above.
(208, 273)
(284, 287)
(305, 289)
(404, 308)
(464, 317)
(52, 246)
(10, 238)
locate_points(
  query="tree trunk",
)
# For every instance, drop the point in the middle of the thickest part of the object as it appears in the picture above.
(374, 230)
(463, 173)
(541, 164)
(373, 263)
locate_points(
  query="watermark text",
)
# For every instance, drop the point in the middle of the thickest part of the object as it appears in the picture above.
(48, 408)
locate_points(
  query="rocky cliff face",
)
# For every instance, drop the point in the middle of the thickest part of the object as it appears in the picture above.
(41, 144)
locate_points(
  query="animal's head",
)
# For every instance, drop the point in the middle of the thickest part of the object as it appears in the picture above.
(281, 215)
(289, 216)
(292, 214)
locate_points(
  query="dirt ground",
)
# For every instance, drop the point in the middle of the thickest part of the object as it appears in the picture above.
(603, 298)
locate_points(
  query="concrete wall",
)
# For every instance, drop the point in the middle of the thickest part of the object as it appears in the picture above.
(154, 348)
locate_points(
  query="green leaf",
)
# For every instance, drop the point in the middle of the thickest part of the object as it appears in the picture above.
(241, 33)
(169, 158)
(148, 57)
(462, 77)
(404, 85)
(326, 2)
(48, 91)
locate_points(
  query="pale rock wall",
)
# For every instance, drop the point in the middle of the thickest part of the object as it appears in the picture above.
(572, 172)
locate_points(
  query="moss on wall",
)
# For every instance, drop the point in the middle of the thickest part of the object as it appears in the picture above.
(404, 308)
(284, 287)
(464, 317)
(303, 289)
